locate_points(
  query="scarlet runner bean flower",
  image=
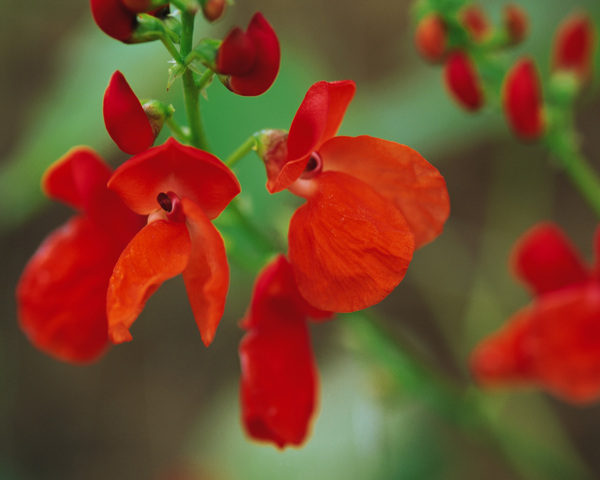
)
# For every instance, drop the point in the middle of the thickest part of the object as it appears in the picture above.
(462, 81)
(554, 343)
(522, 100)
(574, 46)
(132, 127)
(248, 62)
(118, 18)
(279, 377)
(61, 295)
(369, 202)
(181, 189)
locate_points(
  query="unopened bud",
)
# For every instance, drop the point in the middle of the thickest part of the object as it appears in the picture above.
(431, 37)
(213, 10)
(475, 22)
(462, 81)
(516, 23)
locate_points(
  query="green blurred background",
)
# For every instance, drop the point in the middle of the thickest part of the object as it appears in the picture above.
(165, 407)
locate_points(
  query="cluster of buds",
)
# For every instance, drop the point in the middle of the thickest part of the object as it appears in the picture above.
(463, 39)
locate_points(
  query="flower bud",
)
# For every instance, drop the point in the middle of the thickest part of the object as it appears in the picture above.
(522, 100)
(574, 45)
(462, 81)
(142, 6)
(431, 37)
(515, 23)
(475, 22)
(213, 10)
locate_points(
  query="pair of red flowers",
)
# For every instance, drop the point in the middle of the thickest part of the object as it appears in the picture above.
(554, 343)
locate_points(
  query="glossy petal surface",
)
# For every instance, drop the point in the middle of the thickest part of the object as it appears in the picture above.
(348, 245)
(279, 379)
(124, 117)
(546, 260)
(187, 171)
(397, 173)
(113, 18)
(160, 251)
(207, 275)
(61, 294)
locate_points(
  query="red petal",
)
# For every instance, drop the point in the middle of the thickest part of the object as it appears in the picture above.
(207, 274)
(522, 100)
(236, 54)
(545, 259)
(567, 330)
(160, 251)
(279, 379)
(462, 81)
(399, 174)
(113, 18)
(317, 120)
(263, 71)
(348, 245)
(505, 358)
(574, 46)
(61, 294)
(173, 167)
(124, 117)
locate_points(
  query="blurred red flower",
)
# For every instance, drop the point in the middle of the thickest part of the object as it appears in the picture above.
(369, 202)
(61, 295)
(181, 189)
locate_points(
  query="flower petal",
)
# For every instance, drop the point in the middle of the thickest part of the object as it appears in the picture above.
(545, 260)
(61, 294)
(399, 174)
(207, 274)
(113, 18)
(348, 245)
(160, 251)
(186, 171)
(279, 377)
(124, 117)
(317, 120)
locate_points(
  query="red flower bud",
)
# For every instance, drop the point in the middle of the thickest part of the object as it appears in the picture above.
(118, 18)
(126, 120)
(431, 37)
(248, 62)
(516, 23)
(475, 22)
(213, 9)
(574, 46)
(522, 100)
(462, 81)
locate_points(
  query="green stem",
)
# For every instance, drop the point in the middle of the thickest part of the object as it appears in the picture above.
(242, 151)
(205, 79)
(181, 133)
(264, 243)
(172, 49)
(190, 91)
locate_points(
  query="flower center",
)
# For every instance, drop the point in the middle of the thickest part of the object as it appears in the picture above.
(171, 204)
(313, 167)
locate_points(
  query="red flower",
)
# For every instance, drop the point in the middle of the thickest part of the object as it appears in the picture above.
(248, 62)
(118, 18)
(522, 100)
(61, 295)
(125, 119)
(555, 342)
(279, 377)
(431, 37)
(369, 201)
(574, 46)
(462, 81)
(181, 188)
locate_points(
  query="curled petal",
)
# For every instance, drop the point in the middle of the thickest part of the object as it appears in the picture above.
(317, 120)
(124, 117)
(173, 167)
(522, 100)
(567, 334)
(574, 46)
(252, 59)
(462, 81)
(348, 245)
(114, 19)
(398, 173)
(279, 379)
(61, 294)
(505, 358)
(160, 251)
(207, 275)
(545, 260)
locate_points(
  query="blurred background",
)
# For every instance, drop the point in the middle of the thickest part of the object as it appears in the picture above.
(163, 406)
